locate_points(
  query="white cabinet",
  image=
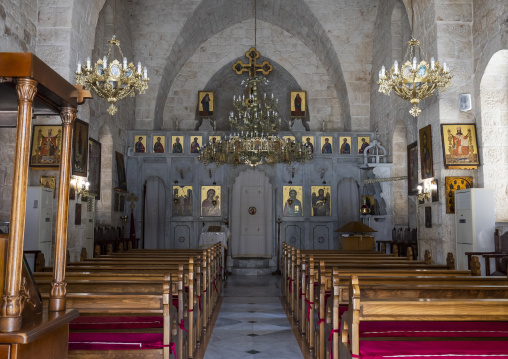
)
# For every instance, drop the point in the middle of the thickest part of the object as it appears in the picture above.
(39, 221)
(474, 223)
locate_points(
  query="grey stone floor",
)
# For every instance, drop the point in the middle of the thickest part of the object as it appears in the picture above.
(252, 323)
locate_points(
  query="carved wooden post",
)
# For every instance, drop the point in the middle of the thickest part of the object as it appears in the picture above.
(12, 305)
(57, 292)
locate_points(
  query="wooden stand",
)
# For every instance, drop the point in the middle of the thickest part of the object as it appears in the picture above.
(28, 87)
(358, 242)
(42, 337)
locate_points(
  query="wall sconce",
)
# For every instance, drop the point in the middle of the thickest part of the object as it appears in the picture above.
(424, 191)
(81, 186)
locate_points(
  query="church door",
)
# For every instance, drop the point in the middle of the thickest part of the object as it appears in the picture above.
(252, 216)
(155, 213)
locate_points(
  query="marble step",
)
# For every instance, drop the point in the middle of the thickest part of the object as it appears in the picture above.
(251, 266)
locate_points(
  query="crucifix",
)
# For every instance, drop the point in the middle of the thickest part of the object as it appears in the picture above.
(252, 66)
(132, 198)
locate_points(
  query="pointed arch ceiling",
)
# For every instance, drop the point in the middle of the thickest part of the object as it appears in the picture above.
(208, 19)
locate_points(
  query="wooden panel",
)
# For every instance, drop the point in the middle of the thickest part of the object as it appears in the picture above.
(358, 243)
(293, 235)
(3, 252)
(5, 351)
(321, 237)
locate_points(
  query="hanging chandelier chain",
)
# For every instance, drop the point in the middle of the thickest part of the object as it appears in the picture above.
(255, 24)
(417, 79)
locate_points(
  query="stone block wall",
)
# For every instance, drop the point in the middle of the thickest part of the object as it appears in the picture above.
(18, 25)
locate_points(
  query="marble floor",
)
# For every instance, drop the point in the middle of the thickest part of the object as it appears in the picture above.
(252, 323)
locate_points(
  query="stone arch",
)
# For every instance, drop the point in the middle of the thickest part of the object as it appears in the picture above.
(494, 131)
(400, 198)
(204, 24)
(281, 82)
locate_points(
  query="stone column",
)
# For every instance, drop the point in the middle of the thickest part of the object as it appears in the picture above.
(12, 304)
(58, 291)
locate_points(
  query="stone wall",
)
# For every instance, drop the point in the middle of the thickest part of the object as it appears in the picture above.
(333, 49)
(18, 25)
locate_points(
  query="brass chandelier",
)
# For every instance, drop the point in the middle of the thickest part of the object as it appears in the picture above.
(256, 122)
(415, 80)
(113, 80)
(256, 141)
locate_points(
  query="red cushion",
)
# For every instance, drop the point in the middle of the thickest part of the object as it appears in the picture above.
(175, 303)
(433, 329)
(114, 341)
(436, 349)
(113, 322)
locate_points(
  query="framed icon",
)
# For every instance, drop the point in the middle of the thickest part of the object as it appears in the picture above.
(46, 147)
(210, 201)
(363, 143)
(453, 184)
(196, 143)
(214, 139)
(182, 201)
(326, 144)
(80, 149)
(345, 145)
(460, 146)
(309, 142)
(293, 201)
(176, 144)
(412, 169)
(321, 201)
(426, 159)
(159, 143)
(140, 143)
(94, 167)
(298, 103)
(205, 103)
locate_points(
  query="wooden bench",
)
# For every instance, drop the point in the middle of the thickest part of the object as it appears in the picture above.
(185, 309)
(160, 262)
(400, 303)
(350, 262)
(323, 290)
(153, 298)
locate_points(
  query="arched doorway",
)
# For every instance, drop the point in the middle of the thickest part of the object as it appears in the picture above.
(251, 216)
(494, 130)
(154, 213)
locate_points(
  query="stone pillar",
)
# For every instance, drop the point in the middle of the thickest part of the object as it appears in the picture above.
(58, 291)
(12, 305)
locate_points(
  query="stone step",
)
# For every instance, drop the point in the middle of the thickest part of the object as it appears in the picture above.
(251, 266)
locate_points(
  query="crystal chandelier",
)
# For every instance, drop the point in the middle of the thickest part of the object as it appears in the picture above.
(113, 80)
(415, 80)
(256, 122)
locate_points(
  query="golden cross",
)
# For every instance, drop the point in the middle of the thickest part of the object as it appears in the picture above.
(265, 68)
(132, 198)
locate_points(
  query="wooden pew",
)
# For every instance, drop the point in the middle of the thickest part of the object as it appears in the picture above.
(154, 267)
(400, 303)
(315, 284)
(323, 286)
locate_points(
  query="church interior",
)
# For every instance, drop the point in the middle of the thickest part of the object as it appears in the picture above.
(229, 179)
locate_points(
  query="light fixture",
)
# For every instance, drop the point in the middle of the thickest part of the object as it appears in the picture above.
(256, 120)
(425, 190)
(415, 80)
(81, 186)
(364, 209)
(113, 80)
